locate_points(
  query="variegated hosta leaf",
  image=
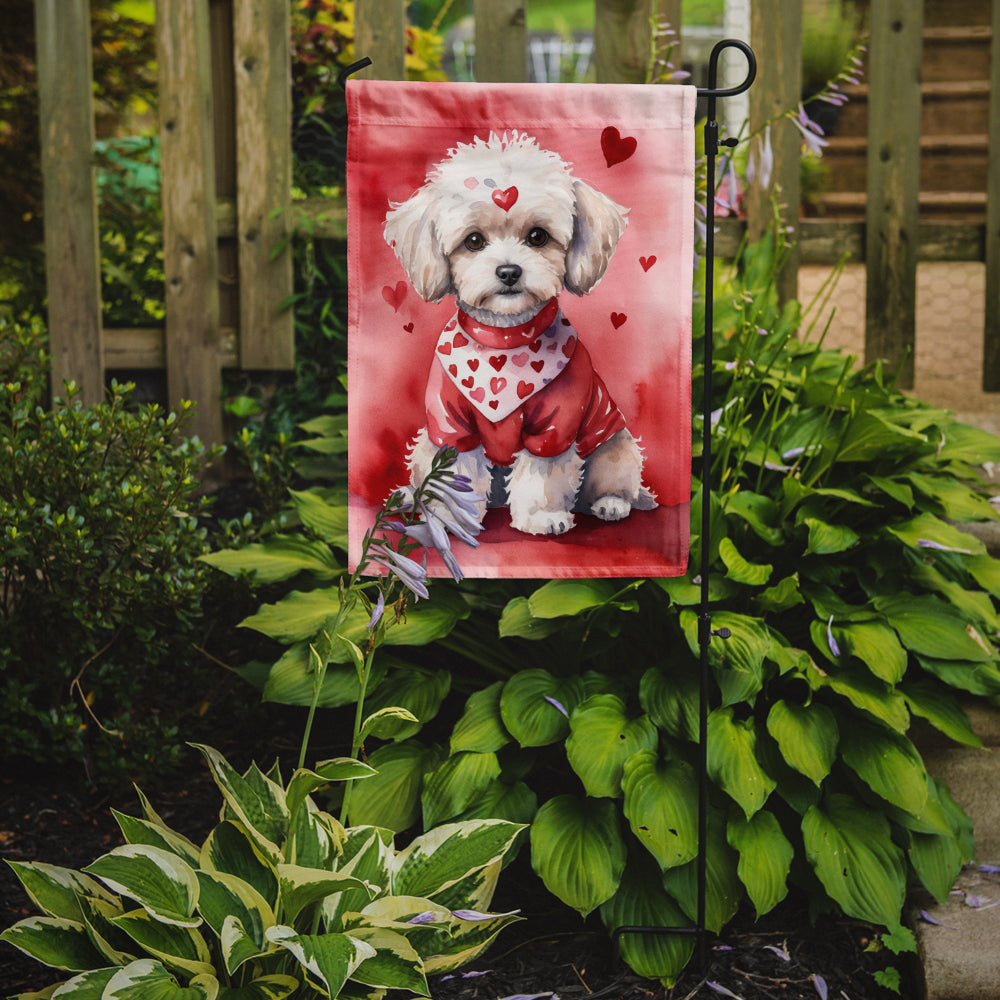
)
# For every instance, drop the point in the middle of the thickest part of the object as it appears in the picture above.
(732, 760)
(274, 987)
(230, 849)
(661, 800)
(441, 857)
(467, 940)
(395, 964)
(807, 736)
(56, 891)
(578, 851)
(98, 915)
(475, 891)
(149, 980)
(765, 858)
(177, 947)
(850, 847)
(54, 941)
(256, 801)
(86, 986)
(602, 737)
(642, 902)
(304, 782)
(315, 838)
(481, 727)
(329, 959)
(158, 880)
(141, 831)
(367, 853)
(225, 897)
(888, 763)
(456, 784)
(301, 887)
(535, 706)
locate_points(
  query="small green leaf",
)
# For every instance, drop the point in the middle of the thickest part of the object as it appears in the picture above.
(732, 760)
(765, 858)
(279, 558)
(535, 706)
(481, 727)
(807, 736)
(456, 784)
(828, 539)
(328, 521)
(518, 621)
(930, 627)
(941, 709)
(888, 763)
(739, 569)
(559, 598)
(671, 700)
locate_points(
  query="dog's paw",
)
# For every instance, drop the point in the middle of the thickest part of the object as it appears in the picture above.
(545, 522)
(610, 508)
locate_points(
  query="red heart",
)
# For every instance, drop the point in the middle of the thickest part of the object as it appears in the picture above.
(497, 385)
(478, 394)
(498, 361)
(467, 382)
(494, 403)
(535, 346)
(567, 348)
(444, 348)
(617, 319)
(525, 389)
(395, 296)
(460, 340)
(615, 148)
(647, 262)
(473, 363)
(453, 370)
(520, 359)
(506, 198)
(538, 365)
(408, 327)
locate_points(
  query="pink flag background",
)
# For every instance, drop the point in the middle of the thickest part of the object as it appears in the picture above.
(636, 323)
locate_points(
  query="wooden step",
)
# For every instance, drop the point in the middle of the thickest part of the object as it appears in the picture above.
(956, 53)
(958, 206)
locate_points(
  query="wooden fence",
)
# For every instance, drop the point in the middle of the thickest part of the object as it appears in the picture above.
(226, 161)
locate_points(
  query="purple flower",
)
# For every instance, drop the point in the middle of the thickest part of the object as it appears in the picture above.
(811, 132)
(409, 572)
(475, 915)
(820, 983)
(377, 612)
(719, 988)
(427, 917)
(927, 543)
(558, 705)
(834, 648)
(761, 163)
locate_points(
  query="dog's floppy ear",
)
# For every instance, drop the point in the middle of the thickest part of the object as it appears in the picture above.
(410, 231)
(599, 225)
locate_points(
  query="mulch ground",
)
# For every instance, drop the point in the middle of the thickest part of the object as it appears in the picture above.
(551, 952)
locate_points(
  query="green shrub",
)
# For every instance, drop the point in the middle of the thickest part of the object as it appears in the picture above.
(99, 542)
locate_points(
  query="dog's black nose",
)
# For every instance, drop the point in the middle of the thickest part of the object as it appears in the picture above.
(509, 274)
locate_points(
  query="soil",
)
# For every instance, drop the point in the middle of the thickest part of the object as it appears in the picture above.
(551, 952)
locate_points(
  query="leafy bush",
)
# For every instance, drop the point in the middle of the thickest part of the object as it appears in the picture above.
(279, 899)
(854, 604)
(99, 541)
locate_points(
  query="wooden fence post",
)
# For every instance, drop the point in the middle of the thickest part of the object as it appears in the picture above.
(776, 35)
(991, 332)
(72, 255)
(190, 251)
(501, 41)
(262, 61)
(892, 214)
(380, 34)
(621, 40)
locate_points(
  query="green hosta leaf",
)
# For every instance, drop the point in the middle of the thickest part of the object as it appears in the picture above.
(931, 628)
(559, 598)
(279, 558)
(965, 443)
(578, 851)
(723, 889)
(661, 798)
(530, 706)
(671, 700)
(866, 692)
(387, 723)
(391, 798)
(260, 806)
(147, 979)
(481, 728)
(807, 736)
(275, 987)
(765, 858)
(395, 964)
(928, 528)
(870, 436)
(438, 859)
(330, 959)
(888, 763)
(976, 678)
(738, 661)
(641, 901)
(602, 738)
(732, 760)
(159, 881)
(141, 831)
(456, 784)
(304, 782)
(516, 803)
(180, 948)
(758, 511)
(230, 849)
(685, 593)
(937, 858)
(941, 709)
(226, 898)
(986, 572)
(739, 569)
(54, 941)
(828, 539)
(850, 848)
(517, 620)
(327, 520)
(415, 689)
(783, 595)
(893, 488)
(301, 887)
(876, 646)
(957, 501)
(291, 680)
(975, 605)
(56, 891)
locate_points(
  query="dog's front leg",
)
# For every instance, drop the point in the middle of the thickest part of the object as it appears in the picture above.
(543, 491)
(472, 464)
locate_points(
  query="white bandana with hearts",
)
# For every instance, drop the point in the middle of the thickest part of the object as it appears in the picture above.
(497, 380)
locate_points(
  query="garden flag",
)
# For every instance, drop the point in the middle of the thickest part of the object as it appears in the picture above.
(520, 273)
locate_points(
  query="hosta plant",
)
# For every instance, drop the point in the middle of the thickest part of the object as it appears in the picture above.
(279, 900)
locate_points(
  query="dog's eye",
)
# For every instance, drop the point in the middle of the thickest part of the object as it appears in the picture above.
(537, 237)
(475, 241)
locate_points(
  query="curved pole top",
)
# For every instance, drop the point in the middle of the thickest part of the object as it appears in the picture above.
(713, 69)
